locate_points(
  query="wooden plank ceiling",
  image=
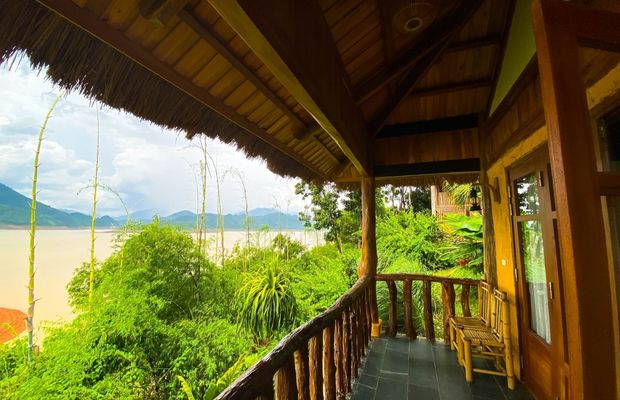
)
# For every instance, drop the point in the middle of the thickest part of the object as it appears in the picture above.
(387, 65)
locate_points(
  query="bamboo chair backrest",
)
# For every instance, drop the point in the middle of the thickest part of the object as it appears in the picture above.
(484, 300)
(499, 316)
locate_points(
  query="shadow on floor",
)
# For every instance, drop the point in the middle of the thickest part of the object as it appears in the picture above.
(402, 369)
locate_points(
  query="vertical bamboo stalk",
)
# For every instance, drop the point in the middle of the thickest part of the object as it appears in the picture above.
(392, 311)
(286, 387)
(447, 299)
(301, 373)
(465, 300)
(33, 227)
(329, 369)
(93, 222)
(315, 361)
(409, 328)
(429, 328)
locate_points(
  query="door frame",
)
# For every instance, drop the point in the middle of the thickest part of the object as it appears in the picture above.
(534, 161)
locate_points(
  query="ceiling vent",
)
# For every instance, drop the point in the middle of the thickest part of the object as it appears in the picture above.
(415, 16)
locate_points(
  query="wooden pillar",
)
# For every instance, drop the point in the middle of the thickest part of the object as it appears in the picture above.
(368, 265)
(583, 255)
(489, 264)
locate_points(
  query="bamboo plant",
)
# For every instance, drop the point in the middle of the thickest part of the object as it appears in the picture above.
(33, 227)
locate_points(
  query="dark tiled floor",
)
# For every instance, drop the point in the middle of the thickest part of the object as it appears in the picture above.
(402, 369)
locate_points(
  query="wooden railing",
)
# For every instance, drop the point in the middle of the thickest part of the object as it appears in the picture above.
(317, 360)
(447, 298)
(320, 359)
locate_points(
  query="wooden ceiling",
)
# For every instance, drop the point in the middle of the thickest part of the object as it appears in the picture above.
(317, 79)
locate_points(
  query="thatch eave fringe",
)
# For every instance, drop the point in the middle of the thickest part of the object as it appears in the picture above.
(77, 61)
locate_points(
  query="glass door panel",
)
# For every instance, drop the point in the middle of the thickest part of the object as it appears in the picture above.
(535, 277)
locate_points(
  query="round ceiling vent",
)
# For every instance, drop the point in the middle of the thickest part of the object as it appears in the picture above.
(415, 16)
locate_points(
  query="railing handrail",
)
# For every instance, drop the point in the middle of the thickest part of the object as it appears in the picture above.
(424, 277)
(250, 383)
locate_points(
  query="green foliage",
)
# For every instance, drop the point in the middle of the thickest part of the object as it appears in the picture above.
(458, 192)
(320, 276)
(266, 301)
(413, 236)
(466, 246)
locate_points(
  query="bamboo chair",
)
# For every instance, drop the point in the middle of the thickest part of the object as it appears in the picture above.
(491, 344)
(483, 321)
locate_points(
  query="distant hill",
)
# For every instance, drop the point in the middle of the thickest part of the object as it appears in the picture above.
(15, 210)
(259, 217)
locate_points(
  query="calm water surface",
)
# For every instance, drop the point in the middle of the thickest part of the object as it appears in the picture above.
(59, 252)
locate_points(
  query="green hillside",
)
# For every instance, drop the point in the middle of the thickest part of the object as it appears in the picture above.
(15, 210)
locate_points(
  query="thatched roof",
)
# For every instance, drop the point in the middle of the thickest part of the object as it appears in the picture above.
(77, 61)
(360, 92)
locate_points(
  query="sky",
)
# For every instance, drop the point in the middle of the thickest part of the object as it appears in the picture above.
(149, 167)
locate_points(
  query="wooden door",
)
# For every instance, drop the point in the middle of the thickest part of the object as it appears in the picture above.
(534, 222)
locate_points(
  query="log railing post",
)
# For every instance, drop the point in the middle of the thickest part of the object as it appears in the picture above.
(429, 328)
(267, 393)
(409, 328)
(465, 300)
(353, 335)
(392, 310)
(338, 359)
(315, 367)
(286, 386)
(345, 343)
(447, 299)
(301, 372)
(329, 369)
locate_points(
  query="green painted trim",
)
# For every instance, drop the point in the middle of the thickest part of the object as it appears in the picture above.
(520, 48)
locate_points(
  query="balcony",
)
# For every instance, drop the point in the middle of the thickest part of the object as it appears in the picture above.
(334, 357)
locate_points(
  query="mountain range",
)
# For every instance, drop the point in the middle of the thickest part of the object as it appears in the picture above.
(15, 211)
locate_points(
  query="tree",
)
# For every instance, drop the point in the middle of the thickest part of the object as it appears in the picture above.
(338, 212)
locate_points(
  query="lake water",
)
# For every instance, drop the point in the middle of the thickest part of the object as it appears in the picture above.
(59, 252)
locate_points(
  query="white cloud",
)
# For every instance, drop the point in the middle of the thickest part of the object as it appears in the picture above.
(151, 168)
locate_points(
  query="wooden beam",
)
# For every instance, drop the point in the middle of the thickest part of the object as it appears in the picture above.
(458, 122)
(580, 225)
(91, 23)
(291, 38)
(448, 28)
(475, 43)
(206, 34)
(161, 12)
(425, 43)
(468, 165)
(451, 87)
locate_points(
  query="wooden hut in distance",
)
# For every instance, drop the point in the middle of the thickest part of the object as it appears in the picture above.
(520, 96)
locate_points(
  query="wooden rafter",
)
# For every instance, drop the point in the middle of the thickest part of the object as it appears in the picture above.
(456, 123)
(289, 37)
(450, 87)
(444, 32)
(492, 40)
(424, 44)
(206, 34)
(91, 23)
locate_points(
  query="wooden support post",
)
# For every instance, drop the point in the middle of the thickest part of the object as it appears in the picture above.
(465, 300)
(582, 250)
(368, 264)
(409, 328)
(392, 322)
(329, 369)
(429, 328)
(447, 299)
(301, 372)
(286, 387)
(315, 367)
(353, 336)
